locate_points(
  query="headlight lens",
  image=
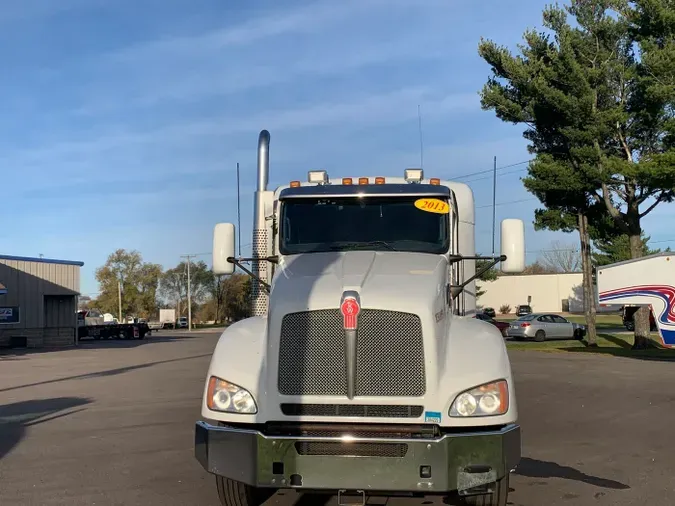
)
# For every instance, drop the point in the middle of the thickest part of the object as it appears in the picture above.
(228, 397)
(490, 399)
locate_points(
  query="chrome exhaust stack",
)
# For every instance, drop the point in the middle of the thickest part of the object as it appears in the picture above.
(259, 297)
(263, 160)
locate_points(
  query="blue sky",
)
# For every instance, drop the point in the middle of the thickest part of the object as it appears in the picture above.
(123, 121)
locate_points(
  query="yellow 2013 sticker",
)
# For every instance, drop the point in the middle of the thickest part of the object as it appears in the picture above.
(432, 205)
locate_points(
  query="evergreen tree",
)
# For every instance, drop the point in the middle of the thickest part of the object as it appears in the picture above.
(597, 99)
(617, 249)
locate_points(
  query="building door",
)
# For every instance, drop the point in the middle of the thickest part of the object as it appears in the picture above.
(60, 323)
(53, 311)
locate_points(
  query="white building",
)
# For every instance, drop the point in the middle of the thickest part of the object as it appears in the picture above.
(555, 293)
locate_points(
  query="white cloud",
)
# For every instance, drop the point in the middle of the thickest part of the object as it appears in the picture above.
(305, 19)
(396, 106)
(214, 64)
(217, 77)
(455, 159)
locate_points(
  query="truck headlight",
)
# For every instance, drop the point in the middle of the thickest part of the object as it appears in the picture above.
(224, 396)
(490, 399)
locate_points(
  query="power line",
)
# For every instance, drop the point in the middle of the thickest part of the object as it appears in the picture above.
(506, 203)
(489, 171)
(577, 250)
(498, 175)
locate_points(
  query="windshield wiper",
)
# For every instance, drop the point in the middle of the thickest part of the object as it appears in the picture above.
(361, 245)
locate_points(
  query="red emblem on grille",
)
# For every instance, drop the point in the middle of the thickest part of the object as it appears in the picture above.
(350, 310)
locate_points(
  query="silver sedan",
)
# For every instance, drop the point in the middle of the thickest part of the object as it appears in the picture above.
(542, 326)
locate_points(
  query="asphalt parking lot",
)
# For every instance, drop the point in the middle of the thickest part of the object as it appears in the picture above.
(111, 423)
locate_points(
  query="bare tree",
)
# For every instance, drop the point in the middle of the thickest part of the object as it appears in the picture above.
(561, 257)
(83, 302)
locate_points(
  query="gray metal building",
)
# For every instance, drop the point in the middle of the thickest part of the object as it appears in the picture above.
(38, 301)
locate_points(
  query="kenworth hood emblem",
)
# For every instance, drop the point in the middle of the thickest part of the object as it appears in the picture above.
(350, 308)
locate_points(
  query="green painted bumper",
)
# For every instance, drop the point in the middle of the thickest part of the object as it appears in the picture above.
(452, 462)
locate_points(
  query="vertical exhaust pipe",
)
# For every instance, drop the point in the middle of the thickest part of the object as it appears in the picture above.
(263, 160)
(259, 298)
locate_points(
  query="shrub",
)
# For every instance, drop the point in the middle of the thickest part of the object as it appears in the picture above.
(504, 309)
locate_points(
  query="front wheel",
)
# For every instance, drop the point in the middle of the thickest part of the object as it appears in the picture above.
(498, 497)
(235, 493)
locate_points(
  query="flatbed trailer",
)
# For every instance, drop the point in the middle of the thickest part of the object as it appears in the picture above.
(114, 331)
(93, 326)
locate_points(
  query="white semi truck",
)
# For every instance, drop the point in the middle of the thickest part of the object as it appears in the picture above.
(639, 282)
(358, 373)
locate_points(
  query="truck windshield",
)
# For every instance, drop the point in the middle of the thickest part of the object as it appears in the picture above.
(400, 223)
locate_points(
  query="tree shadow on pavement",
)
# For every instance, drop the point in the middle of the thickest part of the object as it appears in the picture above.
(607, 344)
(108, 372)
(89, 343)
(17, 417)
(96, 344)
(654, 354)
(533, 468)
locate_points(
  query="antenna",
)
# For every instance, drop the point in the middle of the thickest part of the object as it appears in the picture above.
(419, 122)
(238, 212)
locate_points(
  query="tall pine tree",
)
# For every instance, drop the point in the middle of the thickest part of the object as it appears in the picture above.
(597, 100)
(617, 249)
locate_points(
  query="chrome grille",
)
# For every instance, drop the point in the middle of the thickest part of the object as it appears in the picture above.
(391, 450)
(389, 354)
(361, 410)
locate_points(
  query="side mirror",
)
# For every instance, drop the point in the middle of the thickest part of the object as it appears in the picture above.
(223, 248)
(513, 246)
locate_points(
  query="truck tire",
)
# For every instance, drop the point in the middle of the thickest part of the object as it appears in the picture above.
(499, 497)
(235, 493)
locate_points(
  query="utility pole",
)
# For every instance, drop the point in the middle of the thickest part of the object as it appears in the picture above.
(189, 294)
(238, 211)
(189, 298)
(419, 124)
(119, 299)
(494, 203)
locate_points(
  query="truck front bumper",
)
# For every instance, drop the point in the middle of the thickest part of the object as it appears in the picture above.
(452, 462)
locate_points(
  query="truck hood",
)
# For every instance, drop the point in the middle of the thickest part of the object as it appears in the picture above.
(399, 281)
(459, 353)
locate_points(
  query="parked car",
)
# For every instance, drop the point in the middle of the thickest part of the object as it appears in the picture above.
(502, 326)
(182, 322)
(542, 326)
(522, 310)
(490, 311)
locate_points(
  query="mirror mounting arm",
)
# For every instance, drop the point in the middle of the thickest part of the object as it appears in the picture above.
(455, 290)
(459, 258)
(238, 263)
